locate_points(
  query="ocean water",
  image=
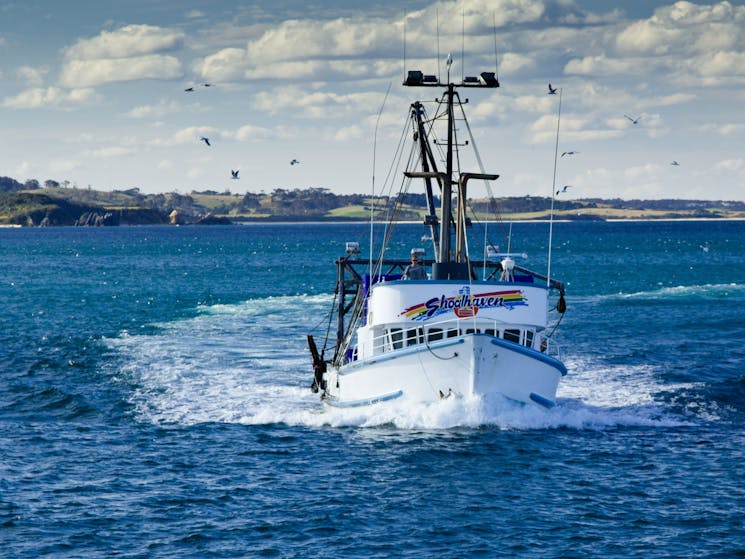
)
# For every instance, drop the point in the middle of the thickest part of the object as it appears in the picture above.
(155, 402)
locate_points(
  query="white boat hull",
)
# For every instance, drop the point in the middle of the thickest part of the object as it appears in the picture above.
(467, 365)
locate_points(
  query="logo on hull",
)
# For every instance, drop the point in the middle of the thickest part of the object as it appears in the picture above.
(465, 304)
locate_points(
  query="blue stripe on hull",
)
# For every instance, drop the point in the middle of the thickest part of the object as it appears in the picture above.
(545, 402)
(533, 354)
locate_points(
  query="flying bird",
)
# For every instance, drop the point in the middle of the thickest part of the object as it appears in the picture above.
(207, 84)
(234, 174)
(552, 90)
(569, 153)
(294, 162)
(563, 188)
(675, 163)
(205, 140)
(633, 120)
(189, 89)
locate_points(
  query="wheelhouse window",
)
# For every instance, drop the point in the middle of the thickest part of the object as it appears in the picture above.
(512, 335)
(414, 336)
(434, 334)
(529, 338)
(397, 338)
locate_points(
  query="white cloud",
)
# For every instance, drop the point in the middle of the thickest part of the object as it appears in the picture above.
(728, 129)
(722, 64)
(50, 98)
(728, 165)
(163, 108)
(253, 133)
(129, 41)
(295, 39)
(225, 65)
(111, 151)
(64, 165)
(643, 172)
(77, 73)
(132, 52)
(316, 104)
(360, 48)
(573, 129)
(33, 76)
(189, 135)
(348, 133)
(600, 65)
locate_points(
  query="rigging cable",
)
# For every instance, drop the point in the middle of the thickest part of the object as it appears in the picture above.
(372, 197)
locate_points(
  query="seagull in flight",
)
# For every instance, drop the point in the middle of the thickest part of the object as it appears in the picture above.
(569, 153)
(234, 174)
(205, 140)
(675, 163)
(563, 189)
(189, 89)
(207, 85)
(552, 90)
(633, 120)
(294, 162)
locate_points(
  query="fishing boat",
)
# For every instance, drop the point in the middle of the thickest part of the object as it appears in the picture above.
(471, 328)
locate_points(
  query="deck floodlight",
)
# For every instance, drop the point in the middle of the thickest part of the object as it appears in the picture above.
(429, 78)
(414, 77)
(471, 79)
(489, 79)
(353, 248)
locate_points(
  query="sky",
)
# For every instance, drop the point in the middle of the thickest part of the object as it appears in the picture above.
(93, 94)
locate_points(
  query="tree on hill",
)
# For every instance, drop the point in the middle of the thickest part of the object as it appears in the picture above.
(10, 185)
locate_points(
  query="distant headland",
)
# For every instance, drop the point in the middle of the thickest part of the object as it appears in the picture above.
(59, 204)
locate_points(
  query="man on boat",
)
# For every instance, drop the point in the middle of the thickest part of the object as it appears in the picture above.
(414, 271)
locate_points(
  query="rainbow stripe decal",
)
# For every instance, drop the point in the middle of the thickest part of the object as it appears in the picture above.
(465, 304)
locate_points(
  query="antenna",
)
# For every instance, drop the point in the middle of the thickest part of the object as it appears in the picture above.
(496, 58)
(553, 194)
(404, 45)
(437, 19)
(462, 43)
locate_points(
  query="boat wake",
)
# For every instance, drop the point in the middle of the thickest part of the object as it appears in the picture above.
(704, 291)
(248, 363)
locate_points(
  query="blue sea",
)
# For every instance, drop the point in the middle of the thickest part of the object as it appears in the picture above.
(155, 403)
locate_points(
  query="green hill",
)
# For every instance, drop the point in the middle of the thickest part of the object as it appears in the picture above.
(54, 205)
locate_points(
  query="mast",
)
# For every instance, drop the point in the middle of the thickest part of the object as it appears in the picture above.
(448, 265)
(447, 186)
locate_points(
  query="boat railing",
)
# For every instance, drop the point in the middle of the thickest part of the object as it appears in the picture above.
(400, 336)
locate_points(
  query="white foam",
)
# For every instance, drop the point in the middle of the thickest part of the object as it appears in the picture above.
(717, 291)
(248, 363)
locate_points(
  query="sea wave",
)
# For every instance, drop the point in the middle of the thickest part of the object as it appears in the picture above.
(702, 291)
